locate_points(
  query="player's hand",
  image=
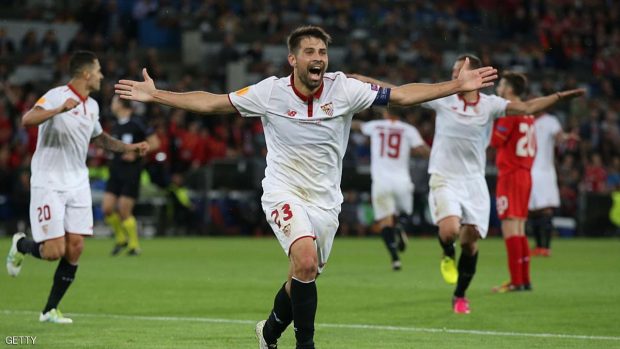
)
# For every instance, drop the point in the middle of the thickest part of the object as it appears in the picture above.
(141, 91)
(476, 79)
(69, 104)
(571, 93)
(138, 148)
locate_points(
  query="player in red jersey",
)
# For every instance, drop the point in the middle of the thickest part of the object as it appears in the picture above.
(516, 147)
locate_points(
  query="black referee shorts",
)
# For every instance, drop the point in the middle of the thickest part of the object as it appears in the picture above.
(124, 182)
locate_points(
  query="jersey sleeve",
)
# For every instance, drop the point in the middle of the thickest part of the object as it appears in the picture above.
(362, 95)
(497, 106)
(251, 101)
(414, 137)
(367, 128)
(432, 104)
(501, 131)
(49, 100)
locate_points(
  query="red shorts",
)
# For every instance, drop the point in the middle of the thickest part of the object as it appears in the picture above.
(513, 194)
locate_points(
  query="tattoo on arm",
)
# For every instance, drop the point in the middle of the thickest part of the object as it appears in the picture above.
(107, 142)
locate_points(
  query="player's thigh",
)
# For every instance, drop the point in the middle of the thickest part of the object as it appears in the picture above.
(476, 205)
(47, 214)
(288, 220)
(404, 198)
(79, 212)
(444, 198)
(383, 201)
(325, 225)
(545, 192)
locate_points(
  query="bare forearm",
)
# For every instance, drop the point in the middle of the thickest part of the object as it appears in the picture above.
(107, 142)
(412, 94)
(37, 115)
(533, 105)
(197, 102)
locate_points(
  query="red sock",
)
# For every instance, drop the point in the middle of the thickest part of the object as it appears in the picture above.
(525, 260)
(514, 249)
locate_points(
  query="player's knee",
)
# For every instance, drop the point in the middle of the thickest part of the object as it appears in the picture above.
(469, 247)
(306, 268)
(53, 251)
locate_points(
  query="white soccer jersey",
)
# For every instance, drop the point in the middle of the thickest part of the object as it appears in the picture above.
(306, 136)
(462, 133)
(390, 145)
(546, 127)
(59, 162)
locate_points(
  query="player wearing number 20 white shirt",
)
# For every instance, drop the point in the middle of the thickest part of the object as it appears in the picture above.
(459, 198)
(60, 202)
(391, 142)
(306, 117)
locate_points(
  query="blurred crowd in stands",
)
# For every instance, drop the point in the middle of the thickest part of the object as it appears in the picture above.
(560, 44)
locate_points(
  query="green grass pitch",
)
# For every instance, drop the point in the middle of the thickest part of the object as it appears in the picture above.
(209, 292)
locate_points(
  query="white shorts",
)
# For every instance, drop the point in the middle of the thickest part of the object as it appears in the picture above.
(545, 192)
(291, 220)
(53, 212)
(467, 199)
(390, 198)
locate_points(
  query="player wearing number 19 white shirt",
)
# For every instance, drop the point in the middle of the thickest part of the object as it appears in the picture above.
(391, 143)
(459, 199)
(306, 117)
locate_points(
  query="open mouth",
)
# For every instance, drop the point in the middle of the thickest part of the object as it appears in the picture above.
(315, 71)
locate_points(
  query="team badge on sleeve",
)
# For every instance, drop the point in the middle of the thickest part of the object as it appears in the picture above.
(328, 108)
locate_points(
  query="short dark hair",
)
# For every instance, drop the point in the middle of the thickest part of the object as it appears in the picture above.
(517, 81)
(79, 60)
(125, 103)
(312, 31)
(474, 61)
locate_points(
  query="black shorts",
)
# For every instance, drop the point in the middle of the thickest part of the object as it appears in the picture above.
(124, 181)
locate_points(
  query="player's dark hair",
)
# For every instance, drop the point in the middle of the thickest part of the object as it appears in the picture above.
(80, 60)
(312, 31)
(517, 81)
(474, 61)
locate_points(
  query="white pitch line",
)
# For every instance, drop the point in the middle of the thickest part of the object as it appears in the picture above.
(345, 326)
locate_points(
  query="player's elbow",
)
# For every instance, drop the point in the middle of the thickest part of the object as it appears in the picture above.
(27, 120)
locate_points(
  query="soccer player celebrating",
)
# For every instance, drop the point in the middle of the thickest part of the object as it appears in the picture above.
(391, 142)
(61, 204)
(123, 187)
(545, 193)
(516, 146)
(459, 197)
(307, 118)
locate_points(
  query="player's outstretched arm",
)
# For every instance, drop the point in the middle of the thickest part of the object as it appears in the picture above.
(541, 103)
(196, 101)
(416, 93)
(38, 115)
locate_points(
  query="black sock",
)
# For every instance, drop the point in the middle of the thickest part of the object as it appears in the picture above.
(447, 247)
(280, 317)
(387, 234)
(304, 300)
(537, 231)
(467, 269)
(65, 273)
(29, 246)
(547, 229)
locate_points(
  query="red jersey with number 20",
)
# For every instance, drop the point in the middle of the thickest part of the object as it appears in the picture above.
(515, 141)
